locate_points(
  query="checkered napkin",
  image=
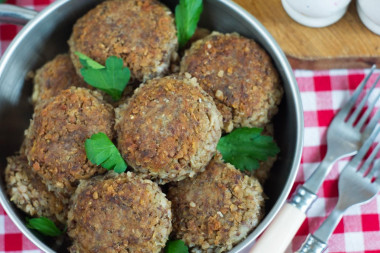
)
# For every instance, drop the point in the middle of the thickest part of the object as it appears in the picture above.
(323, 93)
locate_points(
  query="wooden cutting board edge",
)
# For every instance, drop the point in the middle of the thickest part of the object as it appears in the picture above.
(333, 63)
(301, 60)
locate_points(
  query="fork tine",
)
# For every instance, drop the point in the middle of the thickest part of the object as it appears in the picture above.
(364, 149)
(377, 168)
(348, 106)
(370, 108)
(372, 124)
(359, 108)
(369, 161)
(374, 169)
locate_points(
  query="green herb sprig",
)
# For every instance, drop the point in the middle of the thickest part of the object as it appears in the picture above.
(44, 225)
(245, 147)
(101, 151)
(187, 15)
(112, 78)
(177, 246)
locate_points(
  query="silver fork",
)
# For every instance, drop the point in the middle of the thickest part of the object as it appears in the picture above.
(344, 138)
(355, 187)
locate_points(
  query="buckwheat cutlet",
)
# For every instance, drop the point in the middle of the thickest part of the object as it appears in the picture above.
(54, 76)
(54, 142)
(169, 129)
(141, 32)
(239, 75)
(27, 191)
(216, 209)
(119, 213)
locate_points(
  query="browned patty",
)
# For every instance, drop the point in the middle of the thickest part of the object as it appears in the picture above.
(141, 32)
(169, 129)
(239, 75)
(55, 139)
(119, 213)
(217, 208)
(60, 74)
(27, 191)
(56, 75)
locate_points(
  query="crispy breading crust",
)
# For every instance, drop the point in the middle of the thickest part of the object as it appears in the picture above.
(119, 213)
(141, 32)
(54, 76)
(27, 191)
(55, 139)
(169, 129)
(217, 208)
(239, 75)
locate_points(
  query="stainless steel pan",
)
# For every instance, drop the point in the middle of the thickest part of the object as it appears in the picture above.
(45, 35)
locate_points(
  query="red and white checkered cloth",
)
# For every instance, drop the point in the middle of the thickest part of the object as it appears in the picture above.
(323, 93)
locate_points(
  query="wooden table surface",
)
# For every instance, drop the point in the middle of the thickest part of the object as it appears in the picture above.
(345, 44)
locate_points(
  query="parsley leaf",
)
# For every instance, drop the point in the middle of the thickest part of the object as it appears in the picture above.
(87, 62)
(187, 15)
(177, 246)
(244, 147)
(101, 151)
(111, 78)
(43, 225)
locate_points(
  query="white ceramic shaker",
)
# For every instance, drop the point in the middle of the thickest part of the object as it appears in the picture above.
(316, 13)
(369, 13)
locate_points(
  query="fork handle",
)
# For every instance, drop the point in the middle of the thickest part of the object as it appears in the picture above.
(312, 245)
(317, 242)
(280, 232)
(285, 225)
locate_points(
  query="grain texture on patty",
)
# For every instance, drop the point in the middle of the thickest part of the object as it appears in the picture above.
(239, 75)
(54, 76)
(119, 213)
(26, 190)
(55, 139)
(169, 129)
(217, 208)
(141, 32)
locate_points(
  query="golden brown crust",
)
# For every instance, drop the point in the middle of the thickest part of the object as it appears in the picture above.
(119, 213)
(27, 191)
(59, 74)
(56, 136)
(169, 129)
(239, 75)
(141, 32)
(217, 208)
(56, 75)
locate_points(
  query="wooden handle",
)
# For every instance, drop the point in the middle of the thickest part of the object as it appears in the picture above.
(281, 231)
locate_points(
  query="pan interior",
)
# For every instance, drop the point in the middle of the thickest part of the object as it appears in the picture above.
(46, 36)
